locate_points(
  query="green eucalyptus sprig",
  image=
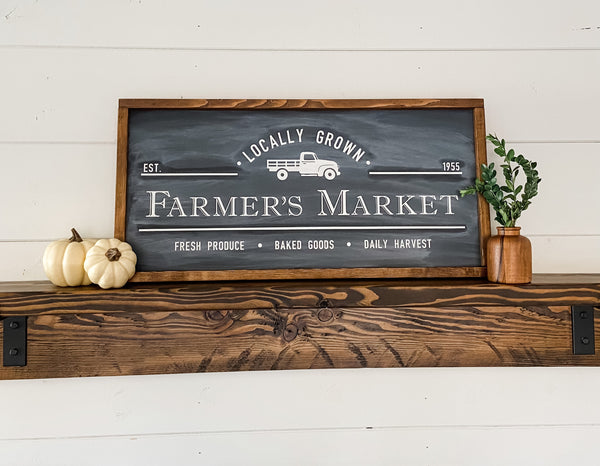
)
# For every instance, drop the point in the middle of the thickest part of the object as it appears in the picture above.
(504, 199)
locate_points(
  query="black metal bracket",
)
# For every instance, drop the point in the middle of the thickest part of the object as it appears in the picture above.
(583, 329)
(14, 348)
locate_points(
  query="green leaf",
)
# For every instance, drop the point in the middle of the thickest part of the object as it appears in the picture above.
(489, 196)
(504, 216)
(503, 199)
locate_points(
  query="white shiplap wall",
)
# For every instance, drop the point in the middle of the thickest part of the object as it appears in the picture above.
(63, 66)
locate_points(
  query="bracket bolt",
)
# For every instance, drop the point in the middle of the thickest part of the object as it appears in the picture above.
(583, 314)
(13, 351)
(585, 340)
(14, 324)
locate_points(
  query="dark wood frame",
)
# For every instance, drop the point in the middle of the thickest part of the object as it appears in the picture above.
(245, 104)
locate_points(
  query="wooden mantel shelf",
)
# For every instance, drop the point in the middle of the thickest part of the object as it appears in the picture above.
(230, 326)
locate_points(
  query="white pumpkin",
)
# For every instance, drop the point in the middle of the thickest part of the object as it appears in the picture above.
(110, 263)
(63, 260)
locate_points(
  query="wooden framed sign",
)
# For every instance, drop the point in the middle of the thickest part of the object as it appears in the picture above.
(271, 189)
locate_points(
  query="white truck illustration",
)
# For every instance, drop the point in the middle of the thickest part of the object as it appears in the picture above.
(308, 165)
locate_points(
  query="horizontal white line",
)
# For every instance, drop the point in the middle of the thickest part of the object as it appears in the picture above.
(556, 141)
(370, 227)
(190, 174)
(266, 430)
(561, 235)
(300, 49)
(414, 173)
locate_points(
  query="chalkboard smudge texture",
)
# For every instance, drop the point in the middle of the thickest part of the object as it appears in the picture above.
(201, 196)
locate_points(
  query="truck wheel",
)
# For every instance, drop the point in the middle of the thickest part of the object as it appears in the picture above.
(282, 174)
(329, 174)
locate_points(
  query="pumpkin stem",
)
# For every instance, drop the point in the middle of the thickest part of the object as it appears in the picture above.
(75, 238)
(113, 254)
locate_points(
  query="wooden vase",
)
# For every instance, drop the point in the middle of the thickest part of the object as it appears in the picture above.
(509, 257)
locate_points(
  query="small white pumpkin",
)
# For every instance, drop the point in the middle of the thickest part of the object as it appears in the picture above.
(110, 263)
(63, 260)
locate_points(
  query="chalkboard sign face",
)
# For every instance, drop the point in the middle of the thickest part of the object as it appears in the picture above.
(222, 189)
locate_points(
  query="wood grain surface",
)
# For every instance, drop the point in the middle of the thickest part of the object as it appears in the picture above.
(196, 327)
(509, 258)
(32, 298)
(308, 274)
(483, 208)
(121, 177)
(128, 343)
(303, 104)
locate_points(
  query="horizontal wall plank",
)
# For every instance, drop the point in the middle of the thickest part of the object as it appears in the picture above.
(569, 185)
(316, 399)
(269, 24)
(58, 187)
(537, 445)
(22, 260)
(73, 185)
(565, 254)
(72, 94)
